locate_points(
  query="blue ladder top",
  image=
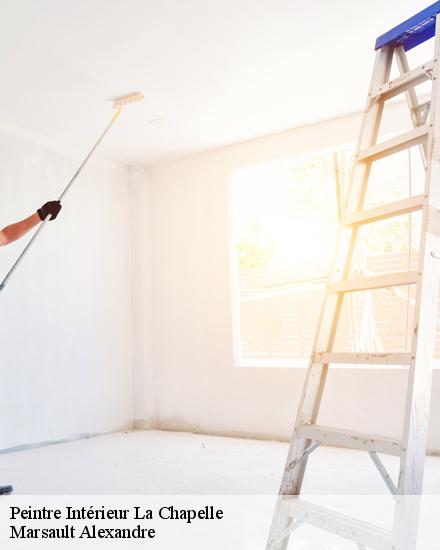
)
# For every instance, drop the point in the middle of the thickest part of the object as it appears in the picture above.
(413, 31)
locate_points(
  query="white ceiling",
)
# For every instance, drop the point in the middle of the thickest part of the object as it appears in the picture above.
(218, 71)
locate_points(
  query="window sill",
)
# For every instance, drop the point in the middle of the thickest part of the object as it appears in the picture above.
(303, 364)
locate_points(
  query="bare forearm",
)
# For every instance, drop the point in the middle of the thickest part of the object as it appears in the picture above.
(16, 230)
(11, 233)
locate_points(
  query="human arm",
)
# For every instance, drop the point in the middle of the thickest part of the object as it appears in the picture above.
(16, 230)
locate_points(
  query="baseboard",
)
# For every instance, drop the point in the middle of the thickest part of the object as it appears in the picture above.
(88, 435)
(150, 425)
(143, 424)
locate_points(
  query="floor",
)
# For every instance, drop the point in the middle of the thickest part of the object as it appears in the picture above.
(155, 462)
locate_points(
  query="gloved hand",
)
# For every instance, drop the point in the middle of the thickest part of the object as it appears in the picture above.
(52, 207)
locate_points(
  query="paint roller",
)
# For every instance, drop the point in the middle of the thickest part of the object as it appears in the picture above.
(119, 102)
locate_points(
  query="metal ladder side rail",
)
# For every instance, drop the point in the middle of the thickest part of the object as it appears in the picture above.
(420, 374)
(418, 398)
(330, 311)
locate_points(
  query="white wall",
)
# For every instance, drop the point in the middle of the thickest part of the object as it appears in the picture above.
(187, 242)
(65, 317)
(143, 371)
(131, 287)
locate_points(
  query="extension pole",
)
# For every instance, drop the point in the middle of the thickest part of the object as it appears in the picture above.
(66, 189)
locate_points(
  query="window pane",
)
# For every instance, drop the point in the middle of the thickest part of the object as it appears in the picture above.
(285, 225)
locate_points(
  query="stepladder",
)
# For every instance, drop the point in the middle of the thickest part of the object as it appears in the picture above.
(410, 446)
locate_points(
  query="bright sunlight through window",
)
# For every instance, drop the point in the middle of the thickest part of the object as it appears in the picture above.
(285, 217)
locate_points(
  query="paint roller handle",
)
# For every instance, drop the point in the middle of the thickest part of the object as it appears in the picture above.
(49, 214)
(90, 153)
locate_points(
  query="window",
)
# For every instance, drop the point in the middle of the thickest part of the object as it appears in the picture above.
(285, 216)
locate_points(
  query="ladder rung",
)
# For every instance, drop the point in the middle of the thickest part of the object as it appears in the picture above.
(364, 358)
(396, 144)
(397, 208)
(366, 534)
(377, 281)
(405, 81)
(349, 439)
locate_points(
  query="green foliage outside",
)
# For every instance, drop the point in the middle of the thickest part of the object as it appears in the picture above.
(311, 186)
(253, 251)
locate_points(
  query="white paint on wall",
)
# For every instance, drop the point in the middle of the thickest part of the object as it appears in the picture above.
(196, 386)
(65, 317)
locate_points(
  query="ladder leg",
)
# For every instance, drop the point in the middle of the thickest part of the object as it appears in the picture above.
(406, 520)
(415, 430)
(418, 397)
(296, 460)
(281, 521)
(308, 412)
(317, 372)
(295, 466)
(326, 332)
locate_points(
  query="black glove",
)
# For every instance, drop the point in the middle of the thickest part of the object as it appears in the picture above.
(52, 207)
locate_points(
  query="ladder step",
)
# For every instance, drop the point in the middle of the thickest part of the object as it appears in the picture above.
(379, 213)
(396, 144)
(378, 281)
(405, 81)
(351, 440)
(363, 533)
(412, 32)
(364, 358)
